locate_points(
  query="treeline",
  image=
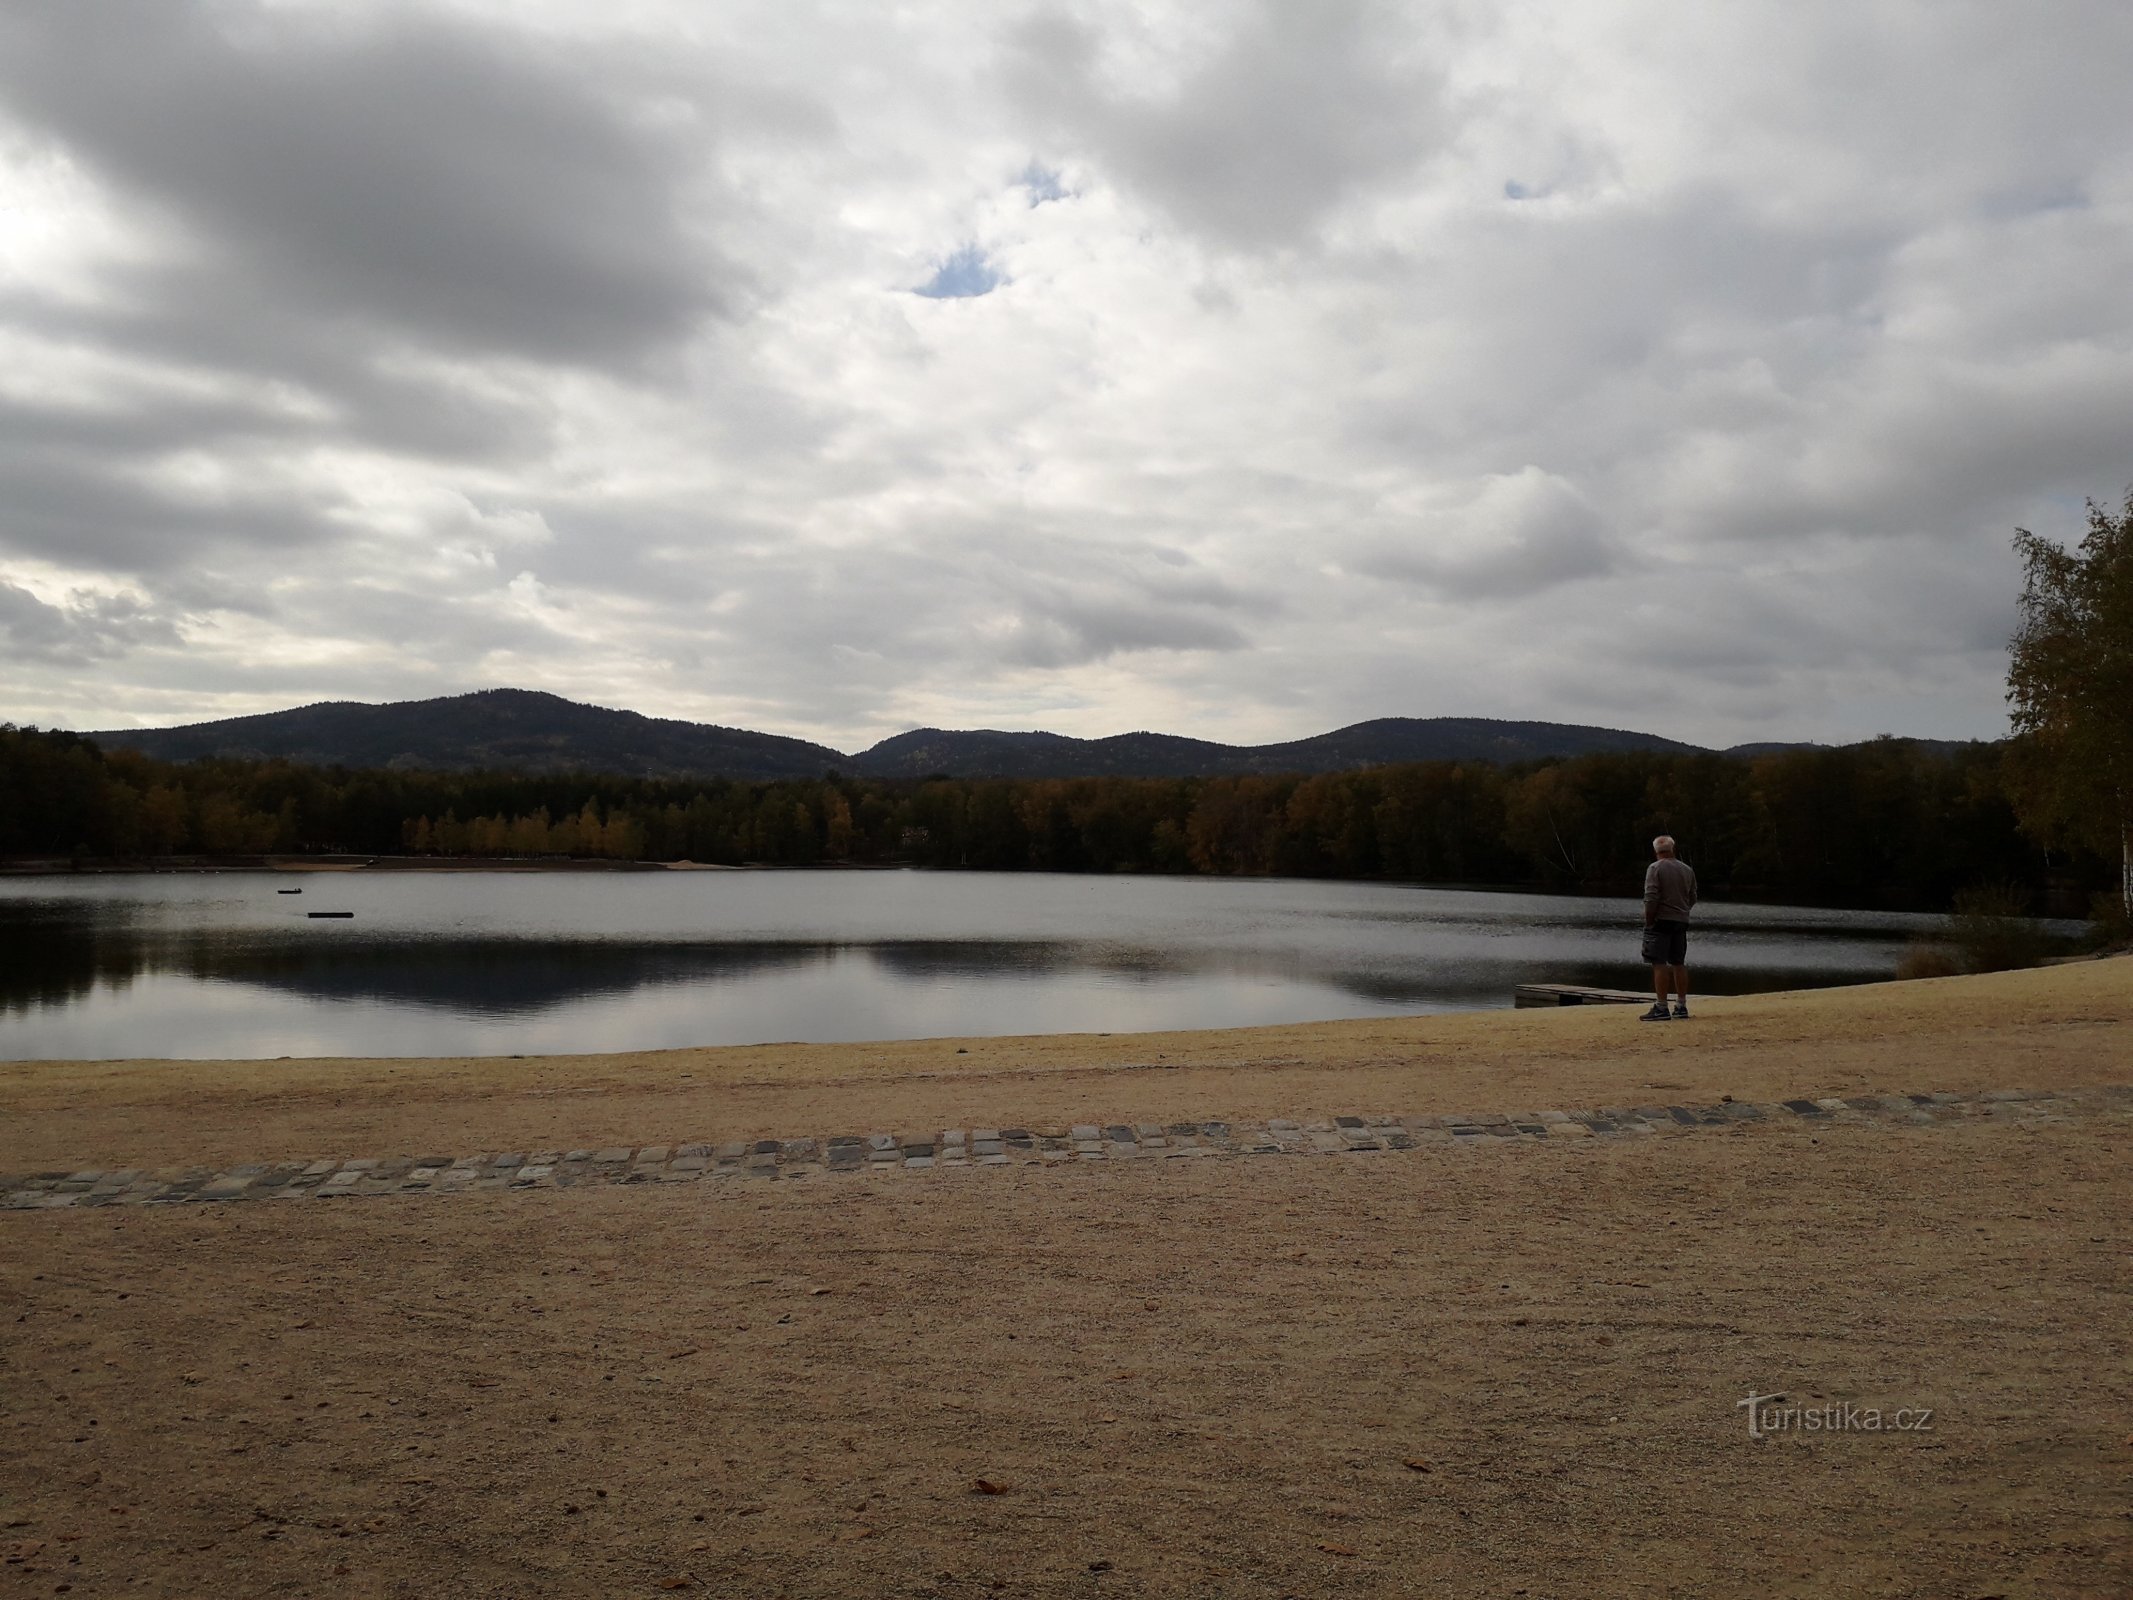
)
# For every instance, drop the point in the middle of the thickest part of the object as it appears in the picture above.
(1886, 823)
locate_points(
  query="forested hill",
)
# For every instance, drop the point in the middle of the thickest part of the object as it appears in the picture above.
(1384, 742)
(496, 730)
(527, 731)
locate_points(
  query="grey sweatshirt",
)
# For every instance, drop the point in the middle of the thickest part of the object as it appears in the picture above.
(1669, 890)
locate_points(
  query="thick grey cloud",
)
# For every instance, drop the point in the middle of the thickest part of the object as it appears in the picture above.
(1268, 366)
(1292, 111)
(410, 176)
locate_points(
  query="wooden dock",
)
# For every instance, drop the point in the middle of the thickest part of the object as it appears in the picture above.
(1574, 994)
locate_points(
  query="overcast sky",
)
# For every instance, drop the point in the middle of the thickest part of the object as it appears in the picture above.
(1233, 370)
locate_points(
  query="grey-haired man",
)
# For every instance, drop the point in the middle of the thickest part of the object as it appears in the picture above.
(1669, 897)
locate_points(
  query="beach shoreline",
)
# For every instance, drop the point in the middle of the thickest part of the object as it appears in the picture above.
(2066, 1026)
(1433, 1367)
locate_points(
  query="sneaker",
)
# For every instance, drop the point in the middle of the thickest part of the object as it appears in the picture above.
(1681, 1013)
(1656, 1014)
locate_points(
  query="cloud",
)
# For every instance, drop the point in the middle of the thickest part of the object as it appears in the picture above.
(1520, 533)
(408, 176)
(1563, 361)
(1258, 134)
(80, 630)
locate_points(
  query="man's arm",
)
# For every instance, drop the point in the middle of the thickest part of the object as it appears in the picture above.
(1651, 894)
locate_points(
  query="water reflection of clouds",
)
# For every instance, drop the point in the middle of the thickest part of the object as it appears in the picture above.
(105, 975)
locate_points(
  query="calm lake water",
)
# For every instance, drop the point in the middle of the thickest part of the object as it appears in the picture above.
(447, 963)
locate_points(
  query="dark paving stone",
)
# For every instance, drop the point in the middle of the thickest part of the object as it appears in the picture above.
(1119, 1133)
(1681, 1114)
(1347, 1122)
(764, 1147)
(1805, 1108)
(1215, 1130)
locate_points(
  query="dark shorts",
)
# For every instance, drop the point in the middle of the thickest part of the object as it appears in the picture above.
(1666, 944)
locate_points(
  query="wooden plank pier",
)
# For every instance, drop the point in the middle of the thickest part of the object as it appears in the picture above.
(1574, 994)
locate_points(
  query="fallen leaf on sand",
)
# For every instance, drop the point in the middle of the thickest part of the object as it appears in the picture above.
(990, 1486)
(307, 1323)
(677, 1583)
(676, 1355)
(1336, 1549)
(860, 1532)
(1415, 1464)
(819, 1291)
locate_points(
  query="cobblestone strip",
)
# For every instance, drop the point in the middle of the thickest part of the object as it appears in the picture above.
(923, 1150)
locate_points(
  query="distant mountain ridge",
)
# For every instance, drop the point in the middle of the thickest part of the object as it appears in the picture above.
(519, 729)
(529, 730)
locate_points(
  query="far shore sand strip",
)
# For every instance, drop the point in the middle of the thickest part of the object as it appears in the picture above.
(816, 1156)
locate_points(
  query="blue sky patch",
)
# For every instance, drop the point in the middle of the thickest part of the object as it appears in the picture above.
(963, 276)
(1042, 183)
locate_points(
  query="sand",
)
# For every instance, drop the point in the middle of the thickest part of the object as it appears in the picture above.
(1445, 1371)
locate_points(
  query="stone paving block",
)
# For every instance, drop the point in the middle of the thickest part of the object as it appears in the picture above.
(808, 1157)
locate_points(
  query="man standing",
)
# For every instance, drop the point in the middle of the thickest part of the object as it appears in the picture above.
(1669, 896)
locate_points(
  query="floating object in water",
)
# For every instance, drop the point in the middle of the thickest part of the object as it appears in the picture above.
(1573, 994)
(315, 915)
(288, 891)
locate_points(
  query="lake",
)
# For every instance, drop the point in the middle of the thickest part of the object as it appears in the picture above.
(456, 963)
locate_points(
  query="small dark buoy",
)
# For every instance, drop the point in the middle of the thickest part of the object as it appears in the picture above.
(315, 915)
(288, 891)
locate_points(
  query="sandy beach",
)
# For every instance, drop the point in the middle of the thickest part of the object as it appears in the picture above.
(1442, 1370)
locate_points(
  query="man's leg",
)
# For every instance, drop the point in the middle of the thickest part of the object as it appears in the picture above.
(1659, 983)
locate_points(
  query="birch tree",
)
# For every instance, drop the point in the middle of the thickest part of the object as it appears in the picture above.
(2070, 687)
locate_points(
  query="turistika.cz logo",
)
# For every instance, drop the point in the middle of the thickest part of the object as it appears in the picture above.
(1769, 1414)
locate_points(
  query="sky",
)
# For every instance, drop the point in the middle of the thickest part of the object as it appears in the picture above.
(1239, 370)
